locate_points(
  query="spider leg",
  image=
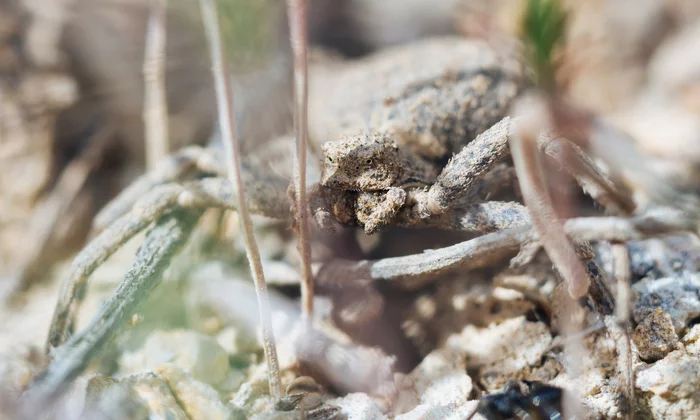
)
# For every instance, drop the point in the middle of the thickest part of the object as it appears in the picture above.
(476, 218)
(185, 164)
(74, 284)
(464, 171)
(267, 198)
(70, 360)
(588, 175)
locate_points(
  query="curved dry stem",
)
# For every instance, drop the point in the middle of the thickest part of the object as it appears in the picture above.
(296, 10)
(267, 200)
(523, 147)
(623, 275)
(224, 99)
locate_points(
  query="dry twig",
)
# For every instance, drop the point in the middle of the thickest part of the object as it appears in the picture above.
(224, 97)
(525, 154)
(296, 10)
(623, 275)
(155, 107)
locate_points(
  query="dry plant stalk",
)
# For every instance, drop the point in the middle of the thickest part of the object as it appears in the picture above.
(622, 273)
(296, 10)
(224, 99)
(155, 107)
(523, 145)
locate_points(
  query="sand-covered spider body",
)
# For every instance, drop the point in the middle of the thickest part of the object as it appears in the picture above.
(412, 137)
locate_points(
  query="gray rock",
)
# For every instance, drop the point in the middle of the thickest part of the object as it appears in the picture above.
(197, 399)
(358, 406)
(670, 386)
(448, 412)
(677, 296)
(691, 341)
(441, 378)
(655, 337)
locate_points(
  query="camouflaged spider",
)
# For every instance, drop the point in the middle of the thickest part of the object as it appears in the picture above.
(469, 89)
(387, 165)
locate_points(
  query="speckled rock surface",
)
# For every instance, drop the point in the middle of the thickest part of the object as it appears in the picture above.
(677, 296)
(670, 387)
(359, 406)
(655, 337)
(441, 378)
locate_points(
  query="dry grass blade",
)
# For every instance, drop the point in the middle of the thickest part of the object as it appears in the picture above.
(155, 107)
(544, 218)
(296, 10)
(224, 98)
(623, 275)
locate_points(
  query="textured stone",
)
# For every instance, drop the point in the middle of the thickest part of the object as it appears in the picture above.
(677, 296)
(655, 337)
(671, 386)
(358, 406)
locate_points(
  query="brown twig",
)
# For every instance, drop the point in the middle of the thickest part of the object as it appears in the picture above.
(155, 108)
(523, 146)
(623, 275)
(296, 10)
(224, 97)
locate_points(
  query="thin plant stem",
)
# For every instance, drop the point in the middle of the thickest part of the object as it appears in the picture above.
(623, 275)
(523, 145)
(155, 107)
(224, 99)
(296, 10)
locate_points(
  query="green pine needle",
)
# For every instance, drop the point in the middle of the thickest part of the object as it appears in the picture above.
(544, 27)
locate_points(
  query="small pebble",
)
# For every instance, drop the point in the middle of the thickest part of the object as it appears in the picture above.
(655, 337)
